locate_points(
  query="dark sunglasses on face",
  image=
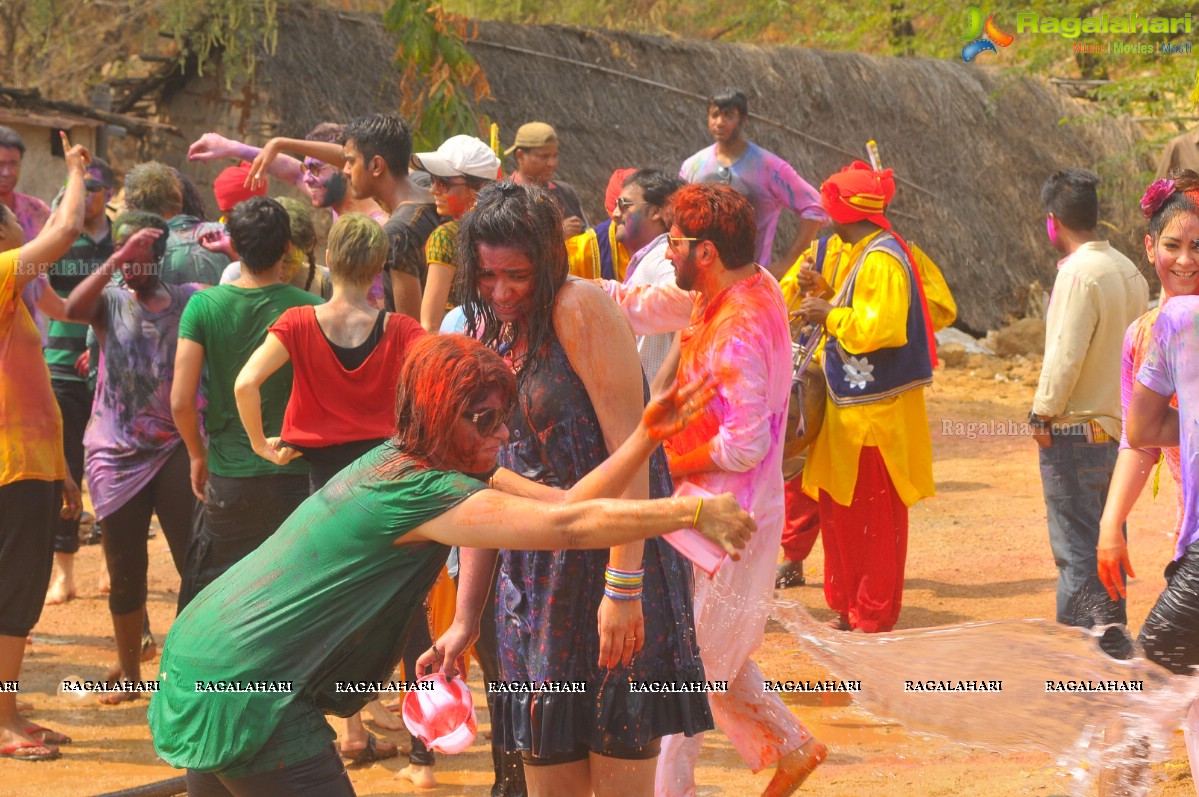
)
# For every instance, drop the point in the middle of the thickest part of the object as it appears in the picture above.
(625, 204)
(487, 421)
(446, 183)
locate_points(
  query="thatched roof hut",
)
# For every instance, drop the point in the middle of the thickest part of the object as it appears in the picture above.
(972, 144)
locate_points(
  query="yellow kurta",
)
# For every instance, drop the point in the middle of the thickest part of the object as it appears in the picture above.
(942, 309)
(897, 426)
(583, 254)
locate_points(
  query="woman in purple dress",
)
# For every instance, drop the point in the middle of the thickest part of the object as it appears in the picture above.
(604, 618)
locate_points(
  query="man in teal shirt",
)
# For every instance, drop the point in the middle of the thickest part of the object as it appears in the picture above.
(245, 497)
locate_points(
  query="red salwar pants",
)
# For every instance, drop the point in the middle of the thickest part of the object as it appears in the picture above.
(865, 548)
(801, 525)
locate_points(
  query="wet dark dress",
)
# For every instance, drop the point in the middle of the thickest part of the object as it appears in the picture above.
(547, 601)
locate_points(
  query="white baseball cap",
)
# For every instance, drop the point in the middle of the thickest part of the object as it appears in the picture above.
(459, 155)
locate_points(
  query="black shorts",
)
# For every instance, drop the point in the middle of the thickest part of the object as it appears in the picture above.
(237, 516)
(28, 512)
(643, 753)
(1170, 635)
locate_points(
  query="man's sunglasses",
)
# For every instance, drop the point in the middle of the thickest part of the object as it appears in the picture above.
(675, 241)
(314, 167)
(487, 421)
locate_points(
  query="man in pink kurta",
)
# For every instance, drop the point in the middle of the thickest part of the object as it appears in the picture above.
(739, 335)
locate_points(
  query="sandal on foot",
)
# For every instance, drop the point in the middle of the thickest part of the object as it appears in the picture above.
(13, 751)
(374, 751)
(46, 736)
(789, 574)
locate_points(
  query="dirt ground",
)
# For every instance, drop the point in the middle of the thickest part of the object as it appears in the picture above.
(978, 551)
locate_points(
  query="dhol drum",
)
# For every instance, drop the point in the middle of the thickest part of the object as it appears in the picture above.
(805, 410)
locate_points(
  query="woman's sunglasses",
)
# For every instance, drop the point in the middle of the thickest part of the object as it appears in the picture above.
(487, 421)
(446, 183)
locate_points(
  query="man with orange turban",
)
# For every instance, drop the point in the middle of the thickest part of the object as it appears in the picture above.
(229, 187)
(873, 456)
(597, 253)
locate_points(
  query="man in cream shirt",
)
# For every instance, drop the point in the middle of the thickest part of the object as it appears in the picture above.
(1076, 413)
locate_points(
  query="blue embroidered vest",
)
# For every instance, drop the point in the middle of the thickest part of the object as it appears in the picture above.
(876, 375)
(604, 243)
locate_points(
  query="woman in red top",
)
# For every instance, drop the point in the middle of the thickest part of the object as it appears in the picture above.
(346, 358)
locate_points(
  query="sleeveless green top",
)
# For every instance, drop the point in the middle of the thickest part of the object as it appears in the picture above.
(327, 598)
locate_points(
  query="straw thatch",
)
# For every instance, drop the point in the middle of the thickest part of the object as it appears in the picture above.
(979, 143)
(973, 144)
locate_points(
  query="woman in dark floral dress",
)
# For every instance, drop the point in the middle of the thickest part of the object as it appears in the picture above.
(559, 620)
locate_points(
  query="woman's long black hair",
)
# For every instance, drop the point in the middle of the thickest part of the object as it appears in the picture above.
(528, 219)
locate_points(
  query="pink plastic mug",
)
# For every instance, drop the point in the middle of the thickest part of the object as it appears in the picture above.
(443, 718)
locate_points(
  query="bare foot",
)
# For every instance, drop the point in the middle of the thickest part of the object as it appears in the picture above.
(840, 624)
(379, 715)
(60, 591)
(116, 698)
(794, 768)
(105, 582)
(418, 776)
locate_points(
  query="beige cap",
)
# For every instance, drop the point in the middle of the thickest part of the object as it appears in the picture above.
(531, 135)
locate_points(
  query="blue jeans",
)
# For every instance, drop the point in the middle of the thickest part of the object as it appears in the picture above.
(1075, 476)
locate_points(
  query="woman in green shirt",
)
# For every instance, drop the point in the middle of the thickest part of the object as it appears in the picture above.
(286, 635)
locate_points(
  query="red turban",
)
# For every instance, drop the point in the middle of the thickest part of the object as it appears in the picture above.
(858, 193)
(615, 183)
(229, 187)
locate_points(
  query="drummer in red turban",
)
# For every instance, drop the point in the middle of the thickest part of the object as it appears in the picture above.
(873, 456)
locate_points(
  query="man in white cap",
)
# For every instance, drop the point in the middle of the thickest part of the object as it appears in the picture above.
(536, 153)
(459, 168)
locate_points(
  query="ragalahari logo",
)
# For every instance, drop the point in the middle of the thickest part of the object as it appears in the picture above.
(983, 36)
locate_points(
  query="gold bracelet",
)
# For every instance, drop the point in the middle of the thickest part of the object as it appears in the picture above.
(695, 523)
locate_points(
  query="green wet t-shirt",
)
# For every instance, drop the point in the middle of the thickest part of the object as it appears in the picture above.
(230, 323)
(327, 598)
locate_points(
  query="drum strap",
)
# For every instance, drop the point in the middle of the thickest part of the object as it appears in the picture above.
(812, 342)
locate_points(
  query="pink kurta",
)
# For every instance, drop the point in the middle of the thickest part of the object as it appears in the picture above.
(742, 339)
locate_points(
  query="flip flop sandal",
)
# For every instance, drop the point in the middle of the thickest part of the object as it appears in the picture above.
(46, 736)
(12, 750)
(371, 753)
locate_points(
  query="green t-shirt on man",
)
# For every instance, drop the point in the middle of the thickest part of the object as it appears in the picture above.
(230, 323)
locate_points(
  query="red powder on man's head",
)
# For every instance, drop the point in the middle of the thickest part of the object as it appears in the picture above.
(717, 213)
(442, 377)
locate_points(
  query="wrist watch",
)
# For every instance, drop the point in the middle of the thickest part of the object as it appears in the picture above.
(1035, 420)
